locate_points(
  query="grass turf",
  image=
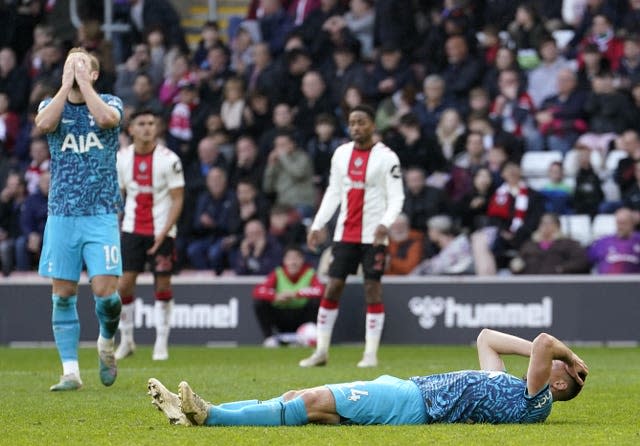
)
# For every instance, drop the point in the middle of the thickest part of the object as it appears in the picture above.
(606, 413)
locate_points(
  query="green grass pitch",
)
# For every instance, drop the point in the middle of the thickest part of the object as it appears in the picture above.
(606, 413)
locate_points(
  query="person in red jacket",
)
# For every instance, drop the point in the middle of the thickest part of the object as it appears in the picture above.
(288, 298)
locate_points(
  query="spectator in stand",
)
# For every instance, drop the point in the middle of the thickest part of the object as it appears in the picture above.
(260, 74)
(288, 298)
(390, 74)
(543, 80)
(592, 64)
(635, 97)
(505, 60)
(631, 199)
(618, 253)
(513, 110)
(144, 96)
(394, 24)
(9, 125)
(286, 227)
(213, 74)
(288, 83)
(527, 33)
(178, 73)
(282, 122)
(48, 76)
(631, 20)
(146, 15)
(421, 201)
(474, 156)
(472, 208)
(209, 37)
(344, 71)
(557, 193)
(454, 256)
(289, 175)
(513, 212)
(12, 196)
(588, 194)
(463, 70)
(311, 30)
(211, 222)
(314, 101)
(561, 118)
(608, 110)
(479, 102)
(246, 162)
(405, 247)
(14, 81)
(43, 34)
(249, 204)
(603, 35)
(275, 24)
(259, 253)
(321, 147)
(433, 104)
(550, 252)
(417, 149)
(257, 114)
(624, 176)
(353, 96)
(40, 159)
(450, 133)
(628, 73)
(392, 108)
(241, 46)
(138, 63)
(233, 104)
(33, 216)
(180, 128)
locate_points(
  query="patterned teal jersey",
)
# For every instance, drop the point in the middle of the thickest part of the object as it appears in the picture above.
(474, 396)
(84, 179)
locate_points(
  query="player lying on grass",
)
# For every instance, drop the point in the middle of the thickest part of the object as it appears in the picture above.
(488, 395)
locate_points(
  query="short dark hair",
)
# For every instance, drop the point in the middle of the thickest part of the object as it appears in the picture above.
(366, 109)
(573, 388)
(295, 248)
(142, 112)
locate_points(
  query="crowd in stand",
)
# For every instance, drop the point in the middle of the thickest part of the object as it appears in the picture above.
(468, 94)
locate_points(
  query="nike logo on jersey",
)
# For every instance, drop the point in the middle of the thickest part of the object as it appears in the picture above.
(81, 144)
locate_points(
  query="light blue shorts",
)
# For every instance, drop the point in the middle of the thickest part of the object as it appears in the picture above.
(385, 400)
(70, 241)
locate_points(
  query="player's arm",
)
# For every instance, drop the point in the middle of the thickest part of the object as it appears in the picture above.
(49, 115)
(491, 344)
(177, 201)
(105, 115)
(329, 204)
(394, 190)
(544, 349)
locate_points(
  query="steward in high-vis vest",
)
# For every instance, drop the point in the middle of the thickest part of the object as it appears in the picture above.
(288, 298)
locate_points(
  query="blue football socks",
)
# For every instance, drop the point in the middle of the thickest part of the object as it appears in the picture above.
(66, 327)
(108, 312)
(235, 405)
(274, 413)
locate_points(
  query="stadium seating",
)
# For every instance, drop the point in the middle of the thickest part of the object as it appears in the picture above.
(577, 227)
(603, 225)
(536, 164)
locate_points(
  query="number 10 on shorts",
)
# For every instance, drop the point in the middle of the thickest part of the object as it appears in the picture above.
(111, 256)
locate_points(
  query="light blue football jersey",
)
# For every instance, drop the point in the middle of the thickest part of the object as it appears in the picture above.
(475, 396)
(84, 179)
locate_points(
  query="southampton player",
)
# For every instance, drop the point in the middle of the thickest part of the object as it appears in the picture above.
(151, 179)
(82, 128)
(366, 183)
(489, 395)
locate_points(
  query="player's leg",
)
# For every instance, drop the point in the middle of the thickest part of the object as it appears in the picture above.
(126, 289)
(133, 249)
(276, 412)
(373, 266)
(61, 260)
(163, 264)
(344, 262)
(101, 253)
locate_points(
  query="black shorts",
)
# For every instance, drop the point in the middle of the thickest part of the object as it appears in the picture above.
(348, 256)
(134, 249)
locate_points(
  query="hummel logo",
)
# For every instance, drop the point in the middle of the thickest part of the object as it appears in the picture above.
(68, 121)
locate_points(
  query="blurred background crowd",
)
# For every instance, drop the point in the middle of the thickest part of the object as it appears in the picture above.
(516, 123)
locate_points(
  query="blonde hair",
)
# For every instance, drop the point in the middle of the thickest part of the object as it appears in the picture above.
(95, 63)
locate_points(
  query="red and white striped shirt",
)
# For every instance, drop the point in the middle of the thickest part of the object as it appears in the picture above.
(147, 180)
(367, 185)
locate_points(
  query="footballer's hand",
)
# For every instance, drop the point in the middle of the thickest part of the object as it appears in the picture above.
(577, 369)
(380, 235)
(69, 72)
(82, 68)
(156, 244)
(313, 239)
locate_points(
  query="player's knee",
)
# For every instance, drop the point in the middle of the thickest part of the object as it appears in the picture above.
(103, 286)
